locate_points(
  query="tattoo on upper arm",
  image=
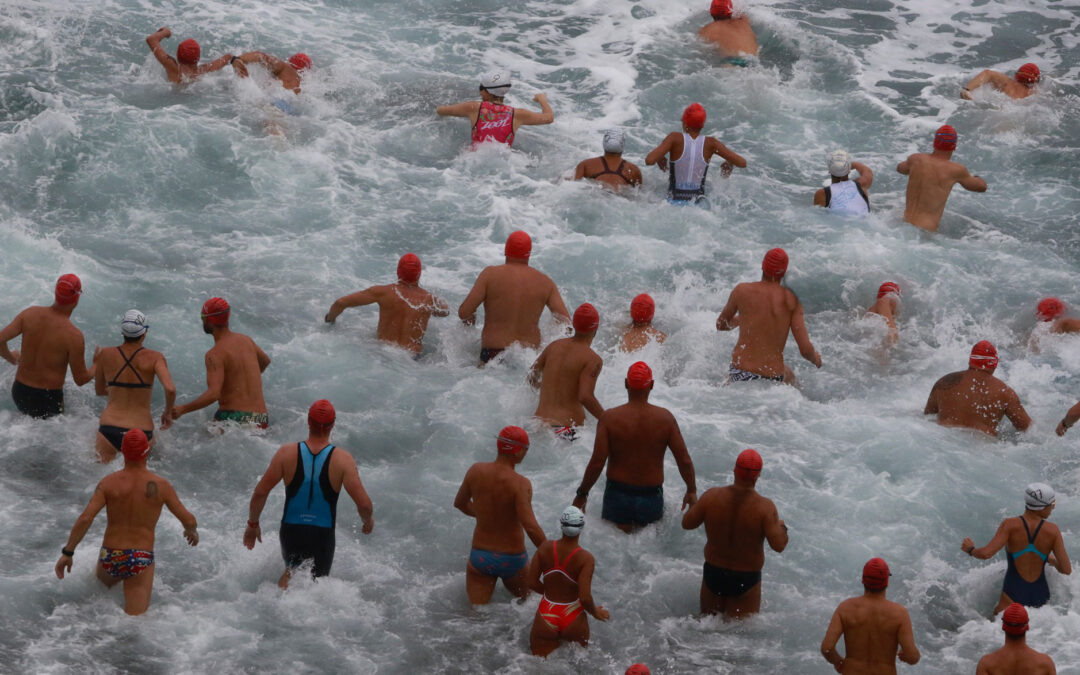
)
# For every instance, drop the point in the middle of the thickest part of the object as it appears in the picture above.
(151, 490)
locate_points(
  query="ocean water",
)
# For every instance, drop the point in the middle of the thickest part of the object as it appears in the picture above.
(160, 198)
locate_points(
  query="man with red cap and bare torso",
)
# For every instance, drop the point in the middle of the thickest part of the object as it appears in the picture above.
(1052, 311)
(234, 367)
(132, 498)
(765, 312)
(872, 627)
(931, 177)
(1021, 85)
(690, 151)
(1015, 658)
(492, 120)
(314, 473)
(185, 67)
(566, 373)
(738, 522)
(514, 296)
(887, 306)
(404, 307)
(733, 36)
(50, 344)
(500, 499)
(974, 398)
(631, 440)
(641, 331)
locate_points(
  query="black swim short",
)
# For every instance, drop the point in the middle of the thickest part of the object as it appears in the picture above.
(729, 583)
(632, 504)
(41, 403)
(307, 542)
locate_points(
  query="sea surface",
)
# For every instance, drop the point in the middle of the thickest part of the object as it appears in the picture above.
(160, 198)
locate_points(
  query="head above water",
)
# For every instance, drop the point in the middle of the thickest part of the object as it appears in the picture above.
(984, 356)
(1014, 620)
(748, 465)
(639, 377)
(215, 312)
(135, 446)
(512, 441)
(134, 324)
(321, 416)
(614, 140)
(300, 61)
(518, 246)
(720, 9)
(68, 289)
(642, 308)
(889, 288)
(875, 575)
(1038, 496)
(586, 319)
(1028, 74)
(1049, 309)
(188, 51)
(409, 268)
(775, 263)
(839, 163)
(693, 118)
(572, 521)
(497, 83)
(945, 138)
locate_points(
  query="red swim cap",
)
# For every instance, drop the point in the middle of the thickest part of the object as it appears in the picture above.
(1015, 620)
(188, 52)
(748, 465)
(300, 61)
(642, 308)
(512, 440)
(775, 262)
(694, 116)
(68, 290)
(875, 575)
(983, 356)
(216, 312)
(586, 319)
(1028, 74)
(888, 287)
(638, 669)
(518, 245)
(135, 446)
(321, 412)
(639, 376)
(721, 9)
(945, 138)
(408, 268)
(1050, 309)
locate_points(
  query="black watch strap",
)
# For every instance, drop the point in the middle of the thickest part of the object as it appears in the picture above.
(66, 552)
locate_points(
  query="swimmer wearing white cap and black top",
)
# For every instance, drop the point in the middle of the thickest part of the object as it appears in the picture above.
(1031, 541)
(845, 195)
(492, 120)
(600, 168)
(126, 375)
(562, 571)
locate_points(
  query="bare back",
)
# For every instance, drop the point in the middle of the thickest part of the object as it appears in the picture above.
(495, 491)
(128, 406)
(732, 37)
(976, 400)
(871, 628)
(1015, 659)
(638, 435)
(566, 363)
(930, 180)
(766, 311)
(133, 501)
(49, 343)
(513, 296)
(735, 526)
(556, 587)
(613, 171)
(404, 312)
(242, 387)
(638, 337)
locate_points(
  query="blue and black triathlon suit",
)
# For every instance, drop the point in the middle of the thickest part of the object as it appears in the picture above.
(307, 526)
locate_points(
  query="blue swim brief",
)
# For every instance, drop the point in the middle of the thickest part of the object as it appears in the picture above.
(502, 565)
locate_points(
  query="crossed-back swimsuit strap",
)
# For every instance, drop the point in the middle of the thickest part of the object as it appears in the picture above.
(141, 384)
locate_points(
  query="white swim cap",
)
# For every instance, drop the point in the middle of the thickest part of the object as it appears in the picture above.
(496, 79)
(572, 520)
(1038, 496)
(839, 163)
(133, 324)
(613, 141)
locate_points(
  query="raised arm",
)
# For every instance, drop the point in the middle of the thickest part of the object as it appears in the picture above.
(472, 301)
(172, 502)
(524, 117)
(866, 176)
(1014, 410)
(1001, 537)
(523, 506)
(658, 156)
(909, 653)
(355, 489)
(215, 379)
(586, 388)
(683, 461)
(161, 369)
(728, 319)
(217, 64)
(595, 466)
(828, 644)
(274, 474)
(10, 332)
(999, 80)
(78, 531)
(728, 154)
(585, 591)
(775, 529)
(358, 299)
(172, 68)
(802, 337)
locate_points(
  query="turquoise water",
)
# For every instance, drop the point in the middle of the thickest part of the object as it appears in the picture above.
(160, 199)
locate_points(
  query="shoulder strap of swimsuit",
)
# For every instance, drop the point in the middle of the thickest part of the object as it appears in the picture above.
(1031, 539)
(567, 558)
(555, 555)
(1027, 531)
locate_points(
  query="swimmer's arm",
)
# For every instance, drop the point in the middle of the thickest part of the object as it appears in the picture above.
(579, 172)
(100, 388)
(217, 64)
(932, 403)
(463, 500)
(802, 336)
(585, 591)
(1001, 537)
(775, 530)
(904, 167)
(728, 154)
(439, 307)
(261, 357)
(595, 465)
(10, 332)
(728, 319)
(82, 525)
(354, 487)
(172, 68)
(1069, 420)
(533, 575)
(683, 461)
(658, 154)
(866, 176)
(633, 176)
(358, 299)
(832, 636)
(587, 388)
(273, 63)
(526, 117)
(982, 668)
(909, 653)
(77, 361)
(215, 380)
(463, 109)
(1059, 558)
(556, 305)
(526, 516)
(172, 502)
(161, 369)
(695, 515)
(999, 80)
(819, 197)
(1014, 410)
(536, 372)
(971, 183)
(467, 310)
(274, 474)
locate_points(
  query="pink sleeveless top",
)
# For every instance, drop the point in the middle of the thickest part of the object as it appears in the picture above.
(495, 122)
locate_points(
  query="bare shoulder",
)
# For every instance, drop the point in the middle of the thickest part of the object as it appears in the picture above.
(949, 381)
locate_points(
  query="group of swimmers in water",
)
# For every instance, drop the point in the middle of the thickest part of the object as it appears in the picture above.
(631, 439)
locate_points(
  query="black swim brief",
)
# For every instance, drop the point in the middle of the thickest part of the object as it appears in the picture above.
(729, 583)
(115, 435)
(488, 353)
(41, 403)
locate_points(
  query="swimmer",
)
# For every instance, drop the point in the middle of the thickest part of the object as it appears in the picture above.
(562, 572)
(764, 312)
(1032, 532)
(641, 331)
(314, 472)
(732, 35)
(493, 120)
(887, 307)
(404, 307)
(738, 522)
(686, 179)
(845, 195)
(132, 498)
(50, 345)
(566, 374)
(286, 72)
(1069, 420)
(1052, 311)
(1015, 658)
(500, 499)
(931, 177)
(514, 296)
(1021, 85)
(185, 67)
(974, 398)
(599, 168)
(234, 367)
(872, 628)
(132, 369)
(631, 440)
